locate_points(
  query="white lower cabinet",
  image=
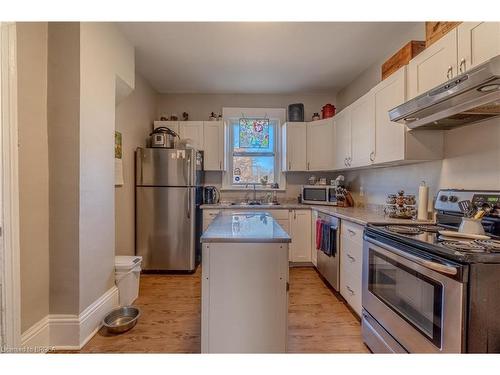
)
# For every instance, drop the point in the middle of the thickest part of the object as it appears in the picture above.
(300, 231)
(351, 255)
(244, 309)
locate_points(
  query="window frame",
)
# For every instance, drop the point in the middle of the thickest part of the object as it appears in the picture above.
(232, 115)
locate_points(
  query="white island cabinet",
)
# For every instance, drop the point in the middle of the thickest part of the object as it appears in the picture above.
(244, 294)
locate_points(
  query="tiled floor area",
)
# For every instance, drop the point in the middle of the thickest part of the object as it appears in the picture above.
(170, 323)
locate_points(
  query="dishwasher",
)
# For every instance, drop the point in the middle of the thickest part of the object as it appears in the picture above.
(328, 264)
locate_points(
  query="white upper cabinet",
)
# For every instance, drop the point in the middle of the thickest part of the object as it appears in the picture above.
(308, 146)
(434, 65)
(172, 125)
(320, 145)
(477, 43)
(362, 149)
(213, 143)
(192, 130)
(342, 126)
(294, 146)
(389, 136)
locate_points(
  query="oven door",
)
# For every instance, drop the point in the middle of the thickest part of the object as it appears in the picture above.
(418, 301)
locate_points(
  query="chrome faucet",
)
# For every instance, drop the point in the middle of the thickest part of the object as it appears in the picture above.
(254, 192)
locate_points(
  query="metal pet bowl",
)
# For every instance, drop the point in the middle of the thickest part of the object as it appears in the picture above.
(121, 319)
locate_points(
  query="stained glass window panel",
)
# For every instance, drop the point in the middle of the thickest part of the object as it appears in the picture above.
(254, 133)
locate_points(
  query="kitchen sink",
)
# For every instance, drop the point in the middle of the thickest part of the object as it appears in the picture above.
(254, 203)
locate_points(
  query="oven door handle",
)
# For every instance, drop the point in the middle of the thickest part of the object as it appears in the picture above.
(438, 267)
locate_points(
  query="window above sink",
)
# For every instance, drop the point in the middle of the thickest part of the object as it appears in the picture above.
(252, 153)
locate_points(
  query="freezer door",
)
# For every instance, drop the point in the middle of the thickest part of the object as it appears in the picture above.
(166, 223)
(168, 167)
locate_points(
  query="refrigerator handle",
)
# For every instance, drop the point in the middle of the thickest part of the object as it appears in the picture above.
(188, 166)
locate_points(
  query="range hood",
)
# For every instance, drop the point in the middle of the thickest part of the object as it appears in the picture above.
(468, 98)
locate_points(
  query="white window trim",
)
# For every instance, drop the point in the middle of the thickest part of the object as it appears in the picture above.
(229, 113)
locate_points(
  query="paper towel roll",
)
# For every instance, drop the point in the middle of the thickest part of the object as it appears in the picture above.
(423, 200)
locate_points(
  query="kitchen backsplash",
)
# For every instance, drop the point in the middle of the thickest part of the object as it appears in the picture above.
(294, 181)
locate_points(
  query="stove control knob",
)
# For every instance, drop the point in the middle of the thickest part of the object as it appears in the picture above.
(453, 198)
(443, 198)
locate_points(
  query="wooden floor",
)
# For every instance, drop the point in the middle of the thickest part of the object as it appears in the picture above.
(318, 321)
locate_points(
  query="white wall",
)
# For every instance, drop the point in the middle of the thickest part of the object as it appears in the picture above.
(134, 118)
(199, 106)
(372, 75)
(33, 171)
(63, 113)
(104, 55)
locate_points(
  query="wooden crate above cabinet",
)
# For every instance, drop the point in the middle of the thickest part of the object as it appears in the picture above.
(436, 30)
(402, 57)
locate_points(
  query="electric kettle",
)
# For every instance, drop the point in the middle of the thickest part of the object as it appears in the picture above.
(210, 195)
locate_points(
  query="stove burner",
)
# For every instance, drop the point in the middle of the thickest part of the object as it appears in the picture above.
(465, 246)
(491, 245)
(401, 229)
(430, 228)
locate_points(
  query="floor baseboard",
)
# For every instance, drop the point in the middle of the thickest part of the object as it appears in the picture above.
(38, 335)
(71, 332)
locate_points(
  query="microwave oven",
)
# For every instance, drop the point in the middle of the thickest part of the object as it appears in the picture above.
(319, 194)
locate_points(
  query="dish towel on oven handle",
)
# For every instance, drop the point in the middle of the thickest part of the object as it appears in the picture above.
(319, 235)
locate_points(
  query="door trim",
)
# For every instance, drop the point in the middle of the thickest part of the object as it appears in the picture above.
(11, 320)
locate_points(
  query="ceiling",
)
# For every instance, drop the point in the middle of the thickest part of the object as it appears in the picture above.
(260, 57)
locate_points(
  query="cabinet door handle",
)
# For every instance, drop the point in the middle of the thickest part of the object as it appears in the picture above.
(449, 72)
(345, 162)
(351, 258)
(289, 165)
(308, 165)
(462, 66)
(220, 165)
(353, 233)
(350, 290)
(372, 156)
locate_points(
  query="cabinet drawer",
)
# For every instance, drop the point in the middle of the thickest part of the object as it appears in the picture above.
(351, 291)
(352, 251)
(352, 231)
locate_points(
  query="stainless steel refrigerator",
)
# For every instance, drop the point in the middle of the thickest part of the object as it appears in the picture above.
(168, 216)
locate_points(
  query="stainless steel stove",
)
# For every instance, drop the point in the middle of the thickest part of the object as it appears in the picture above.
(426, 292)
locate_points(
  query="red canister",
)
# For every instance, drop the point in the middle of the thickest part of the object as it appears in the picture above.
(327, 111)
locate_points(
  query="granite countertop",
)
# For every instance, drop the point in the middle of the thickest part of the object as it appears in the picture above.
(262, 207)
(365, 216)
(356, 215)
(245, 227)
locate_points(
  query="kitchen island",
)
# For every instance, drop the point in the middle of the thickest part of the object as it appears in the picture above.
(244, 284)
